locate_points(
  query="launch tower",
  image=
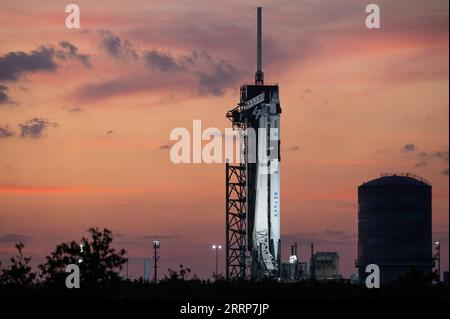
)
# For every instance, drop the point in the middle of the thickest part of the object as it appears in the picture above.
(253, 186)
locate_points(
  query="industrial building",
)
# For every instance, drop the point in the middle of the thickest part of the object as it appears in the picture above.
(294, 270)
(394, 226)
(325, 266)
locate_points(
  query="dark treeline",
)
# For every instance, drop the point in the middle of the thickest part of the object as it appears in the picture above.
(100, 266)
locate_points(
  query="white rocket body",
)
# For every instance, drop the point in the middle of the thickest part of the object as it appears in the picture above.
(266, 231)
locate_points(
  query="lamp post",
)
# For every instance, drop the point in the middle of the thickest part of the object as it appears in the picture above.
(156, 244)
(216, 248)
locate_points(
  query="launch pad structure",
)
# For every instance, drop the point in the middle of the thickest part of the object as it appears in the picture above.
(253, 185)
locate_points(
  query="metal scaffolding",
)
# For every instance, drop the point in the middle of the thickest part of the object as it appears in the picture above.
(236, 211)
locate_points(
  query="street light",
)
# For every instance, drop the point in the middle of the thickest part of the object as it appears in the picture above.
(156, 244)
(216, 248)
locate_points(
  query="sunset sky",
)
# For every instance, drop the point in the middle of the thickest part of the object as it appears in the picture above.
(86, 116)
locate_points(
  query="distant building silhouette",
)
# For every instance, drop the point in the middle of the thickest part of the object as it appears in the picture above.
(147, 269)
(294, 270)
(325, 266)
(394, 226)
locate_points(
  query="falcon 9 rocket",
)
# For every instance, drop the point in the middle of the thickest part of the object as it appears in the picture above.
(259, 112)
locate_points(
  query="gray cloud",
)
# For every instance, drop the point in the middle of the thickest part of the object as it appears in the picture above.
(35, 128)
(116, 47)
(426, 157)
(5, 132)
(71, 51)
(408, 148)
(14, 64)
(442, 155)
(163, 61)
(14, 238)
(121, 85)
(216, 81)
(198, 72)
(4, 98)
(214, 76)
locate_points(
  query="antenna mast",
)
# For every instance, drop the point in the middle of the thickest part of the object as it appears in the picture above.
(259, 75)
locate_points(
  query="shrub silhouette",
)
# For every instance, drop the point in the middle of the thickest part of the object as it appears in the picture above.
(99, 262)
(19, 272)
(181, 274)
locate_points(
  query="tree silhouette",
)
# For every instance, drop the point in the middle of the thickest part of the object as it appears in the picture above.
(19, 272)
(181, 274)
(99, 262)
(218, 277)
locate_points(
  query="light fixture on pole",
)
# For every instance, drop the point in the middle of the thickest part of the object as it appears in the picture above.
(156, 244)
